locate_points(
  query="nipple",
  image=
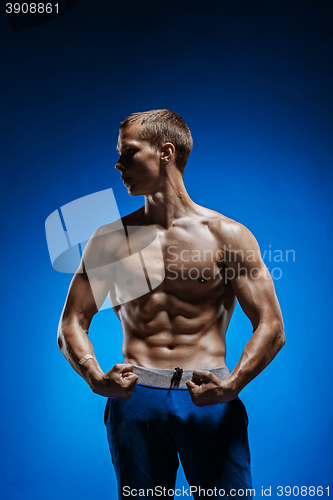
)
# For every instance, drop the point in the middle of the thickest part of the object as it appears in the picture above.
(201, 280)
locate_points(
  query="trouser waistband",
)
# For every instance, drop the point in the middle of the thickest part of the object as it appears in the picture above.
(174, 379)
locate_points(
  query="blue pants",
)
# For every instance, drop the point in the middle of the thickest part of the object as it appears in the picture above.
(147, 432)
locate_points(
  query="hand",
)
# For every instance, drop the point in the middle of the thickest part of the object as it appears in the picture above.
(117, 383)
(207, 389)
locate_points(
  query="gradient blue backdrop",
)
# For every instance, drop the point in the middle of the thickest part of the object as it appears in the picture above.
(253, 80)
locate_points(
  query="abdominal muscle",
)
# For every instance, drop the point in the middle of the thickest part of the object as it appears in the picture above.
(161, 331)
(174, 351)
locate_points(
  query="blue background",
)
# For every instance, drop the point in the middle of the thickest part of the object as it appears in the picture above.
(253, 80)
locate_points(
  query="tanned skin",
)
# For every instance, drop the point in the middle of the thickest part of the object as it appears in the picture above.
(182, 322)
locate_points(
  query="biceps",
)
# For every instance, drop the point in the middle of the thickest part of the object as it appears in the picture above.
(85, 297)
(256, 295)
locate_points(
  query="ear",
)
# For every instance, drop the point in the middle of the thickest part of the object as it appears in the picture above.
(168, 152)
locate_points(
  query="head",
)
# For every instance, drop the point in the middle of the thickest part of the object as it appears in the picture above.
(149, 140)
(160, 126)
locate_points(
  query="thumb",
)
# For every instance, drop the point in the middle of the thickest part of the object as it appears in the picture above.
(124, 367)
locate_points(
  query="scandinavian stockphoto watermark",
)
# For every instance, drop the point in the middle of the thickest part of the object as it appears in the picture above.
(88, 235)
(225, 263)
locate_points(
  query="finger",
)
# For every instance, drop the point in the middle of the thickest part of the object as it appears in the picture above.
(190, 384)
(193, 388)
(200, 378)
(123, 367)
(130, 381)
(197, 381)
(205, 376)
(128, 374)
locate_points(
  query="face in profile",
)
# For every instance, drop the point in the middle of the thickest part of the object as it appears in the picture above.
(139, 163)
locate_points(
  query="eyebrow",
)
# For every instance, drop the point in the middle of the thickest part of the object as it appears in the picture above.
(126, 146)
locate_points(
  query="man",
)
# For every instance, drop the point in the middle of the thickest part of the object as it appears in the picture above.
(173, 394)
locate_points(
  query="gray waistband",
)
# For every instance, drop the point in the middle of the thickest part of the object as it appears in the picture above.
(156, 377)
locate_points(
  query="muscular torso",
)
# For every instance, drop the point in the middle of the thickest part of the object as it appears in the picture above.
(180, 320)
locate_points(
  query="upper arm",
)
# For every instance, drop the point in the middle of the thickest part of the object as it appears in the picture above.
(91, 282)
(249, 277)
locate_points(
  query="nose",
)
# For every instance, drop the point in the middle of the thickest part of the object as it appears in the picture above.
(119, 166)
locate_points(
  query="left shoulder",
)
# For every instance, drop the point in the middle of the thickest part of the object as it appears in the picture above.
(228, 231)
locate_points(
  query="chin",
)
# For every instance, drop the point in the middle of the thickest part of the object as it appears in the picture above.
(133, 192)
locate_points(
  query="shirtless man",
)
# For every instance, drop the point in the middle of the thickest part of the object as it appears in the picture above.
(173, 394)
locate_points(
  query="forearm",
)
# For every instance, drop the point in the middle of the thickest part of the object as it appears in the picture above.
(74, 343)
(265, 343)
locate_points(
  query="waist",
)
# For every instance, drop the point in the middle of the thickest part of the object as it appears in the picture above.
(157, 377)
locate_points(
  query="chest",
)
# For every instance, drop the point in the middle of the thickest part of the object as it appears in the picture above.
(183, 261)
(192, 259)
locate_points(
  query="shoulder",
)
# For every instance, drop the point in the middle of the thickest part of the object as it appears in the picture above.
(114, 231)
(235, 234)
(234, 240)
(226, 230)
(108, 242)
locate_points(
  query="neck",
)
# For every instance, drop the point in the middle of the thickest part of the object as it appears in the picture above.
(168, 203)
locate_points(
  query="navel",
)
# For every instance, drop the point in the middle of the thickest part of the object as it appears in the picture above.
(171, 347)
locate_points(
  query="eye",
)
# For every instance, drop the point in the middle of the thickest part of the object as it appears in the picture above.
(131, 151)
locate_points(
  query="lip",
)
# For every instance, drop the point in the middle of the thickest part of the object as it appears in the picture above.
(125, 179)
